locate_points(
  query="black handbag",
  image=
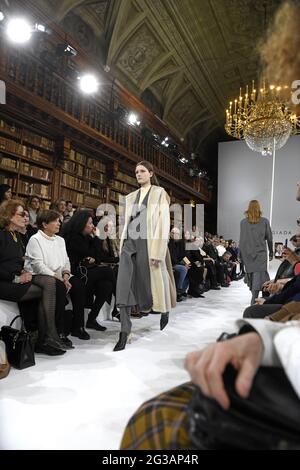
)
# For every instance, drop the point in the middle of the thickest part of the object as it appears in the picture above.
(268, 420)
(19, 346)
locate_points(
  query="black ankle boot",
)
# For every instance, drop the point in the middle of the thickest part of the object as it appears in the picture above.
(94, 325)
(122, 342)
(164, 320)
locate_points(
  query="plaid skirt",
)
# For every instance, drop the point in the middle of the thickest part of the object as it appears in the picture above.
(161, 423)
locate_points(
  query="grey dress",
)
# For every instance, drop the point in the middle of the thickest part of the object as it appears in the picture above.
(254, 239)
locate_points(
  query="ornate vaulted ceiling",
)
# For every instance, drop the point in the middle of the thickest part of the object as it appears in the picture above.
(186, 58)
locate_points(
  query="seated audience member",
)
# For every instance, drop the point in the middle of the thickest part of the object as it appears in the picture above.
(163, 423)
(180, 262)
(26, 232)
(284, 273)
(109, 251)
(19, 285)
(209, 274)
(229, 268)
(34, 204)
(211, 250)
(59, 206)
(235, 258)
(197, 272)
(69, 211)
(285, 293)
(220, 245)
(85, 257)
(5, 193)
(46, 255)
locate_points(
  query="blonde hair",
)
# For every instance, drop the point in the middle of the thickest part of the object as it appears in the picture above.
(280, 52)
(253, 213)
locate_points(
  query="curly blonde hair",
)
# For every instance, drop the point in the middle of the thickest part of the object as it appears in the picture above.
(280, 52)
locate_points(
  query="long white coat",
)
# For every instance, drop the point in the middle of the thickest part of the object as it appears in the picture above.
(158, 227)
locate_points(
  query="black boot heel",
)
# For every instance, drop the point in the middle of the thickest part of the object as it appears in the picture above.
(122, 342)
(164, 320)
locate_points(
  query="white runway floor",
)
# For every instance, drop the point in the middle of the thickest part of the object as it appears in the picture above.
(83, 400)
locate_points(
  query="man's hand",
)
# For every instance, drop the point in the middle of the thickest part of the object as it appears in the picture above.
(275, 288)
(206, 367)
(260, 301)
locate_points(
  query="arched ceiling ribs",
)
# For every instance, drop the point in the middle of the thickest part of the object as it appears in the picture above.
(158, 71)
(119, 40)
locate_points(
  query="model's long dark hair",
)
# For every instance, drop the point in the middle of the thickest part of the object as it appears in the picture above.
(149, 167)
(76, 224)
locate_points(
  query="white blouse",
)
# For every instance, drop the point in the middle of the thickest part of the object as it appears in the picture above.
(47, 255)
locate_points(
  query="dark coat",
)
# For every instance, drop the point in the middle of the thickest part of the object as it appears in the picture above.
(177, 251)
(11, 265)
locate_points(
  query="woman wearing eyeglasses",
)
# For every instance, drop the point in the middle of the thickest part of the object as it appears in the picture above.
(19, 285)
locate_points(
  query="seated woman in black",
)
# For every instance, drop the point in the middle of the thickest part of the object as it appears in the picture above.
(83, 250)
(17, 285)
(197, 272)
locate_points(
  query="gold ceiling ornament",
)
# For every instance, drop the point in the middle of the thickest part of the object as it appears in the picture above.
(262, 118)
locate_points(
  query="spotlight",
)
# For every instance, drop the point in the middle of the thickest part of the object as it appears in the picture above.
(66, 49)
(88, 84)
(18, 30)
(165, 142)
(133, 120)
(40, 27)
(2, 16)
(183, 160)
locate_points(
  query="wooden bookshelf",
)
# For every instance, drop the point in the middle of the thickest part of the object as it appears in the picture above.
(26, 161)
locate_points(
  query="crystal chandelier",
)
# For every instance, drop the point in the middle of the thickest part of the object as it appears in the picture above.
(264, 119)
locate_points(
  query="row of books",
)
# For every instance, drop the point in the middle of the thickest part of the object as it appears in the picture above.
(28, 188)
(95, 175)
(70, 195)
(77, 157)
(93, 190)
(9, 163)
(72, 167)
(24, 151)
(6, 180)
(127, 179)
(96, 165)
(36, 172)
(25, 168)
(72, 182)
(30, 137)
(122, 187)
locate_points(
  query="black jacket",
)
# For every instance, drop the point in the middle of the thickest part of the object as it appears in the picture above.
(194, 256)
(11, 265)
(177, 251)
